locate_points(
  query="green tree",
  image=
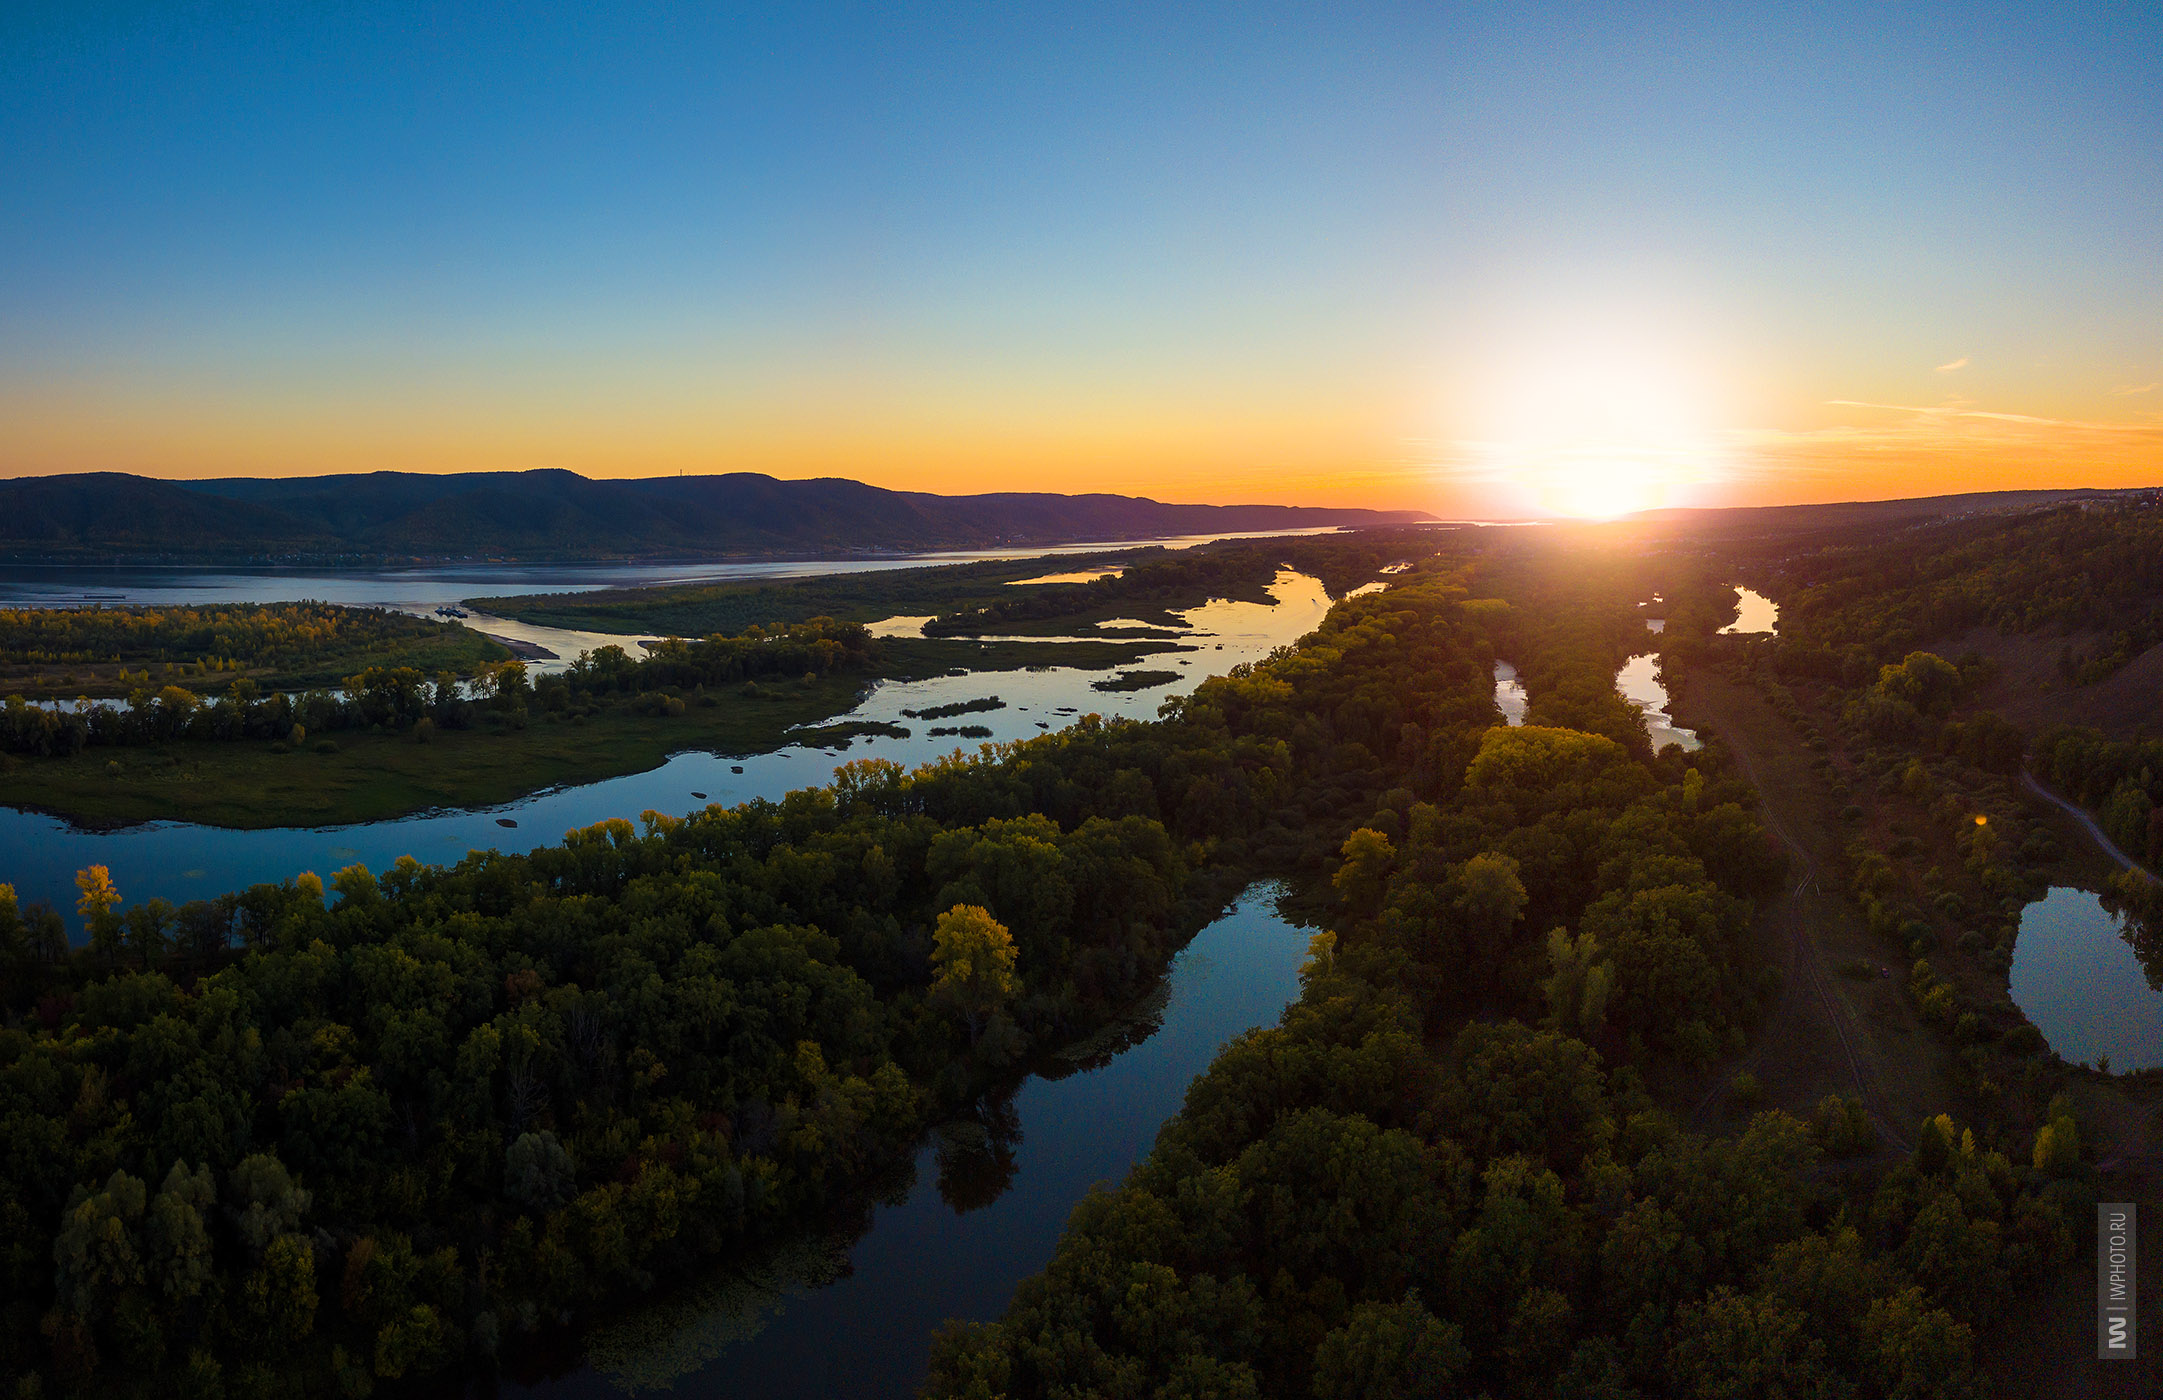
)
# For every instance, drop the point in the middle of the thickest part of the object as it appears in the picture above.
(1919, 1352)
(1577, 983)
(278, 1296)
(537, 1172)
(1732, 1346)
(973, 957)
(176, 1234)
(1364, 874)
(1389, 1351)
(96, 1255)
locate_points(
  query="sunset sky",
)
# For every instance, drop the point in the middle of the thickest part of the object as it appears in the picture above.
(1456, 258)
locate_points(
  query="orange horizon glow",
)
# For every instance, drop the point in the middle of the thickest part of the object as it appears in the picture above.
(1485, 263)
(1562, 441)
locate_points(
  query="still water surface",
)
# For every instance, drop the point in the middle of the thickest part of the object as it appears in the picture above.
(1758, 613)
(1509, 693)
(2078, 978)
(867, 1330)
(180, 861)
(427, 586)
(1639, 682)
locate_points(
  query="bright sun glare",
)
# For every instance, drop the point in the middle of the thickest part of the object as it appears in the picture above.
(1595, 430)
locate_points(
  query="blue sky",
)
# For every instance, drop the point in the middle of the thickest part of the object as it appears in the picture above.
(1240, 252)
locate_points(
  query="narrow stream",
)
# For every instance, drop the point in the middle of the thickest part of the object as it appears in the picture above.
(856, 1318)
(1639, 682)
(1509, 693)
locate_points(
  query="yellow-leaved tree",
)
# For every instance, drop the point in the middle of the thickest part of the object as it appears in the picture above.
(96, 908)
(973, 955)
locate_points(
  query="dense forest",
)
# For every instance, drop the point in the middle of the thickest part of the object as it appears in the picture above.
(1448, 1170)
(324, 1135)
(312, 1135)
(119, 651)
(2094, 567)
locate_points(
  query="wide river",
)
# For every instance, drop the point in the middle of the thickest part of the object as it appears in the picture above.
(179, 861)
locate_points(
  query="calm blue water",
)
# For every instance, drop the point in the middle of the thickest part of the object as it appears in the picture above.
(868, 1333)
(179, 861)
(428, 585)
(2076, 976)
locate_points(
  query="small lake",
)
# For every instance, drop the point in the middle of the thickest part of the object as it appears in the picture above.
(2077, 977)
(855, 1318)
(1509, 693)
(1639, 682)
(1758, 613)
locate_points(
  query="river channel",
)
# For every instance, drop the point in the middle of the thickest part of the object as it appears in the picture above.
(849, 1315)
(179, 861)
(844, 1317)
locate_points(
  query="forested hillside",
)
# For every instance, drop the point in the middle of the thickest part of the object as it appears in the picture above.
(107, 517)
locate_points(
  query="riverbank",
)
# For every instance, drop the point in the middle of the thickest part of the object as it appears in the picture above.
(369, 776)
(366, 776)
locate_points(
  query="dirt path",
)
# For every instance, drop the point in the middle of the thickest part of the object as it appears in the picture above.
(2087, 824)
(1827, 1033)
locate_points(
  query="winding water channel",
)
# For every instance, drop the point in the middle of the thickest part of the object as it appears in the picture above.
(180, 861)
(852, 1312)
(841, 1317)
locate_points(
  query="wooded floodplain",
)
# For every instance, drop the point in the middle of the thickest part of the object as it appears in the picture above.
(1512, 1139)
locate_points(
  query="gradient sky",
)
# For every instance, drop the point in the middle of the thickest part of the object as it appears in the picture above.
(1460, 258)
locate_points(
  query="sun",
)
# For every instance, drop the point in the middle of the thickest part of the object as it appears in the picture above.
(1598, 488)
(1593, 426)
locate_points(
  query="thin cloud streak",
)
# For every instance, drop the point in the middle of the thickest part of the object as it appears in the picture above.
(1958, 410)
(1961, 363)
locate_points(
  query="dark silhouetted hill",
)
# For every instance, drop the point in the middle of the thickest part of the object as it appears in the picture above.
(110, 516)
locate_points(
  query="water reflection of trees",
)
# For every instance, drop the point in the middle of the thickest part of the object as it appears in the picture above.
(2137, 902)
(976, 1154)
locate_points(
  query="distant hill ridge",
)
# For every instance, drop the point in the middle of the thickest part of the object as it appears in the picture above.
(97, 517)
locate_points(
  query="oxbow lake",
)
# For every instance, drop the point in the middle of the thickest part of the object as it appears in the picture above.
(2077, 976)
(837, 1317)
